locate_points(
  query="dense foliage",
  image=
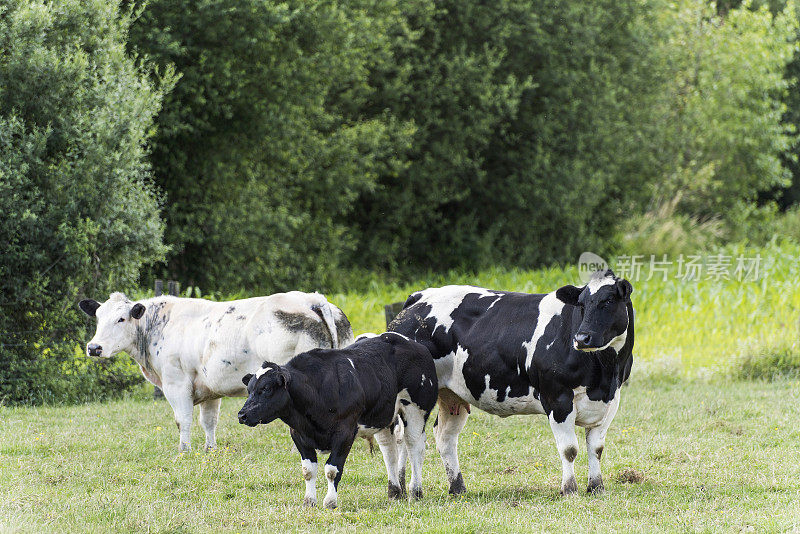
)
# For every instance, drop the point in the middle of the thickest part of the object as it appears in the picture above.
(77, 211)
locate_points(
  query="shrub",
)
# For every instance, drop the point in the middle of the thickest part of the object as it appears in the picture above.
(77, 211)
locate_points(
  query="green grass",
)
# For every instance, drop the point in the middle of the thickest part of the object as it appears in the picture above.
(692, 456)
(692, 327)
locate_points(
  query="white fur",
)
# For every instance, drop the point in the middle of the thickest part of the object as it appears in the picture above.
(331, 497)
(310, 476)
(596, 283)
(549, 307)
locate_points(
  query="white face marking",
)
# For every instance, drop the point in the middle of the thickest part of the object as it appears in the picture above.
(549, 307)
(596, 283)
(444, 300)
(261, 372)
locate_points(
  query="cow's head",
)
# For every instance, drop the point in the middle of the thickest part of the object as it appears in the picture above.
(603, 304)
(267, 395)
(117, 320)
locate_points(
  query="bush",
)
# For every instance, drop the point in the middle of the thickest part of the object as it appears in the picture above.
(768, 363)
(77, 211)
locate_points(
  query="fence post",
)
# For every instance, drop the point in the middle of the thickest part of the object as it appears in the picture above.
(173, 288)
(391, 311)
(159, 289)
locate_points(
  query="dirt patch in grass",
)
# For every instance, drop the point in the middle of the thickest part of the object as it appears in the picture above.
(629, 476)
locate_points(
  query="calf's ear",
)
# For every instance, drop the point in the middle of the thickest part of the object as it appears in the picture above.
(624, 289)
(569, 294)
(137, 311)
(246, 378)
(89, 307)
(284, 378)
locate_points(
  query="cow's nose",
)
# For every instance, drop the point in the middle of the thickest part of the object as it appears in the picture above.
(94, 349)
(583, 339)
(241, 418)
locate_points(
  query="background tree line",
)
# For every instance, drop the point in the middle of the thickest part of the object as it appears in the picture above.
(257, 146)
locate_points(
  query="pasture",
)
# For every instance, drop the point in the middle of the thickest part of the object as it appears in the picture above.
(690, 456)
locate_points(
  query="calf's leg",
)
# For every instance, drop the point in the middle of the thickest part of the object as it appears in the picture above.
(595, 441)
(209, 415)
(414, 438)
(179, 396)
(389, 449)
(309, 465)
(453, 413)
(334, 467)
(567, 444)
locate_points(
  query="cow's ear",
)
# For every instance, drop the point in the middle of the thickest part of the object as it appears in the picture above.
(89, 307)
(246, 378)
(284, 378)
(569, 294)
(624, 289)
(137, 311)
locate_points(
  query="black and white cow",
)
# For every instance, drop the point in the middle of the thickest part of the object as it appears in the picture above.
(564, 354)
(197, 350)
(329, 397)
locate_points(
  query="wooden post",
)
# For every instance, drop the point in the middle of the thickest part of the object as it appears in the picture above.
(391, 311)
(159, 289)
(174, 288)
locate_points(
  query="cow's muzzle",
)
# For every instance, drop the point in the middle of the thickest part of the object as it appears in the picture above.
(94, 350)
(243, 420)
(588, 341)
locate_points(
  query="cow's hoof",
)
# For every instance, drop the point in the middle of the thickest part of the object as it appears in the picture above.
(184, 447)
(330, 504)
(569, 488)
(416, 494)
(395, 492)
(209, 448)
(596, 486)
(309, 502)
(457, 486)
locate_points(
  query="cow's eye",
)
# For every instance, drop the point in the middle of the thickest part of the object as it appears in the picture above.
(121, 320)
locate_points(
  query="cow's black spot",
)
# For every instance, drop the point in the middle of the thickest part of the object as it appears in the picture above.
(240, 317)
(231, 309)
(570, 454)
(599, 452)
(404, 402)
(298, 322)
(227, 362)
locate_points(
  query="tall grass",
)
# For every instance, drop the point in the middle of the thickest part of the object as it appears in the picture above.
(695, 326)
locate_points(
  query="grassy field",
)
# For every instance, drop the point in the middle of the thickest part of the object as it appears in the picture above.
(694, 456)
(694, 327)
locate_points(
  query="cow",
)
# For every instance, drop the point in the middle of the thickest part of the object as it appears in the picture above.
(329, 397)
(563, 354)
(197, 350)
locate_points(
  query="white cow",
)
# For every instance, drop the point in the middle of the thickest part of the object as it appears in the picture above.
(197, 351)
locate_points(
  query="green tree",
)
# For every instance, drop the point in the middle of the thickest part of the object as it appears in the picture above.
(260, 151)
(77, 212)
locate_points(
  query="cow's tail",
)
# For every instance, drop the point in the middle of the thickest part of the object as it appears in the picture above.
(323, 308)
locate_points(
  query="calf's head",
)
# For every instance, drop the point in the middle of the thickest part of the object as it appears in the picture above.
(603, 304)
(117, 320)
(267, 395)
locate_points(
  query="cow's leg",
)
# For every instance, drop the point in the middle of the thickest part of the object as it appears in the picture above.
(414, 438)
(334, 467)
(567, 444)
(309, 464)
(453, 413)
(179, 396)
(595, 441)
(389, 449)
(209, 415)
(402, 460)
